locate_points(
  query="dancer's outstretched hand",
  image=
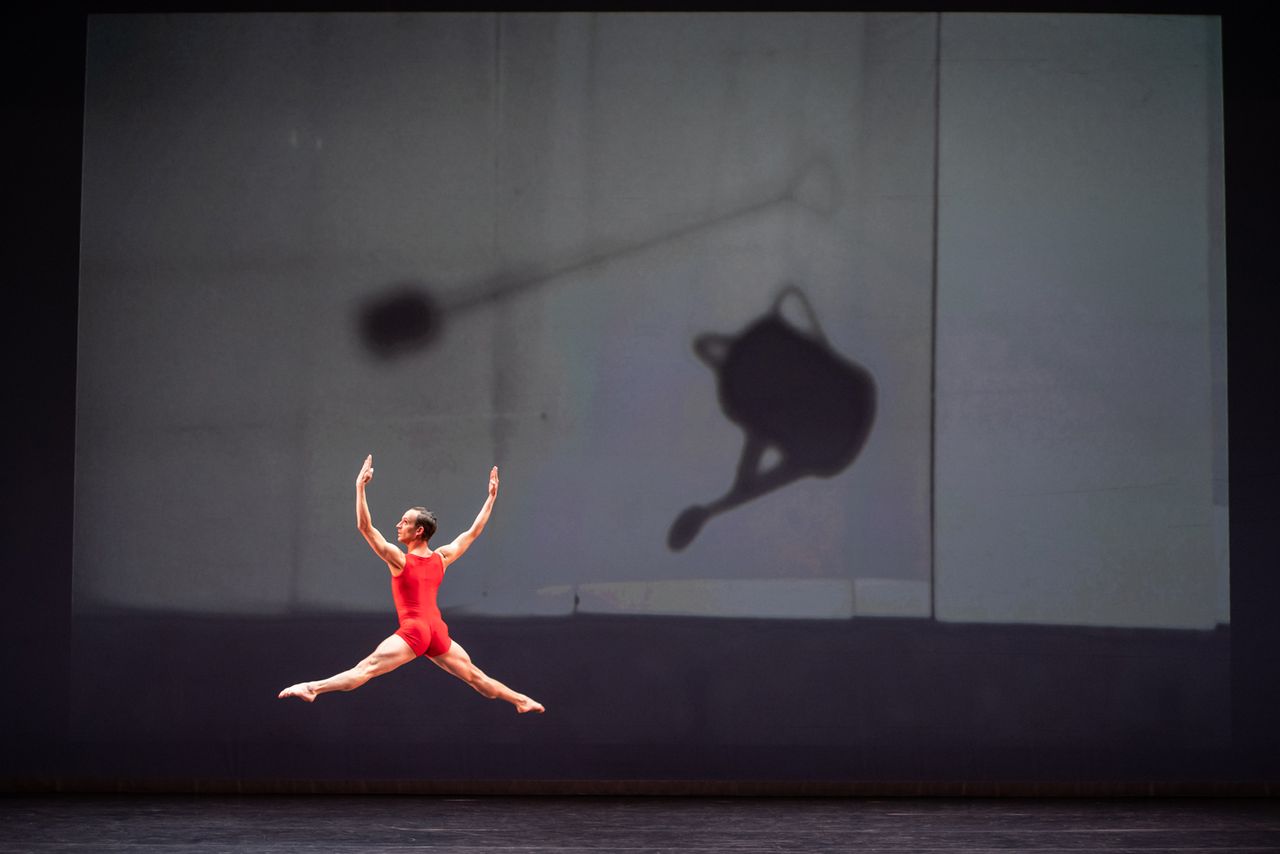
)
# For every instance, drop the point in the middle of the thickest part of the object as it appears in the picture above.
(366, 471)
(493, 482)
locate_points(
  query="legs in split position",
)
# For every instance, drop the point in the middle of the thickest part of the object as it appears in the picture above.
(392, 653)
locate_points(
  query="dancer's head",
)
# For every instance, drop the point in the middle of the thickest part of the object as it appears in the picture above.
(418, 523)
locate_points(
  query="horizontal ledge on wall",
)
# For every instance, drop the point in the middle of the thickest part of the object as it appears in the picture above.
(771, 598)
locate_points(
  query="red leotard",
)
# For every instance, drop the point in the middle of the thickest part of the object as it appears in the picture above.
(415, 593)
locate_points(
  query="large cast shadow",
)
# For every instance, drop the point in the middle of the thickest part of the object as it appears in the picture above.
(791, 391)
(408, 316)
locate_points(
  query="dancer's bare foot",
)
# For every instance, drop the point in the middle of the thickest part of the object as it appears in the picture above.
(527, 704)
(302, 691)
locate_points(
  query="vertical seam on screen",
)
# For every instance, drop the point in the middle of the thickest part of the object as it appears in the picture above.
(933, 327)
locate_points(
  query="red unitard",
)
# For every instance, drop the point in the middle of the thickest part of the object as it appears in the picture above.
(415, 593)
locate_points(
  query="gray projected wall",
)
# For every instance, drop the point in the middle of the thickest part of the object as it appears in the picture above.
(569, 225)
(1081, 404)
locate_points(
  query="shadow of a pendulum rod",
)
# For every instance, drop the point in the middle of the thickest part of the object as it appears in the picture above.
(410, 316)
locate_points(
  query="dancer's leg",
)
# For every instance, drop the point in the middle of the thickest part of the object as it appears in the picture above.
(389, 655)
(457, 662)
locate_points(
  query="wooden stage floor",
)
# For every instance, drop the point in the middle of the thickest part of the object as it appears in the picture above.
(388, 823)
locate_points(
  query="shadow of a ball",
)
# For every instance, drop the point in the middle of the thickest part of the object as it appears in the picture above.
(403, 320)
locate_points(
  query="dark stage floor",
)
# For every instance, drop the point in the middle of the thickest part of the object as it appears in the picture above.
(323, 823)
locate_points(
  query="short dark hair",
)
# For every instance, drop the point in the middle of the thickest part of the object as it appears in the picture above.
(426, 521)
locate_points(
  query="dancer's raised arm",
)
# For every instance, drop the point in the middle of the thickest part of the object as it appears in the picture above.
(389, 553)
(458, 547)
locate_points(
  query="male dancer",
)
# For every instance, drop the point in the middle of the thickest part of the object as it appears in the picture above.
(416, 574)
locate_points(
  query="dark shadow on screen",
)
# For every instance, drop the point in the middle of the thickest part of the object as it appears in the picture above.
(789, 390)
(406, 317)
(401, 320)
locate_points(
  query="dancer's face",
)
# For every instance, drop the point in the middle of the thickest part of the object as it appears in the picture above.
(407, 528)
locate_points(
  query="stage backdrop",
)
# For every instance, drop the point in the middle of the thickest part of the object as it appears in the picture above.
(836, 322)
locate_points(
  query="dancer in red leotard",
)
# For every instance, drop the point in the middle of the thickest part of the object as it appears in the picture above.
(414, 591)
(416, 574)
